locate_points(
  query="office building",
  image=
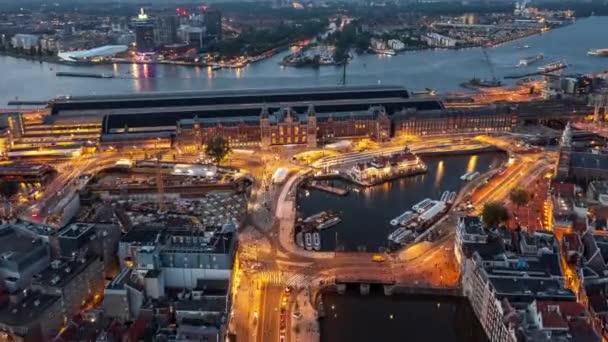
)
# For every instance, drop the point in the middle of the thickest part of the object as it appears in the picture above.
(213, 24)
(25, 41)
(78, 280)
(144, 32)
(165, 32)
(30, 316)
(22, 254)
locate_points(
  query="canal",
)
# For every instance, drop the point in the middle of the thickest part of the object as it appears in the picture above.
(353, 317)
(366, 213)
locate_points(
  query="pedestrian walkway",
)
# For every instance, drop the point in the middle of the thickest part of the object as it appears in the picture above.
(295, 280)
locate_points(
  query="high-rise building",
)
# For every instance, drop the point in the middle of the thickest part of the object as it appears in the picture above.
(144, 32)
(213, 24)
(165, 32)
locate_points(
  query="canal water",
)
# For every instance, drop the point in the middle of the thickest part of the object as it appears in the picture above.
(353, 317)
(366, 214)
(443, 70)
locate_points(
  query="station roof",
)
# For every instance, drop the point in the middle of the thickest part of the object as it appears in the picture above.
(262, 92)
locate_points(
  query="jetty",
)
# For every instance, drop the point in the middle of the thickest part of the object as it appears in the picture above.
(328, 188)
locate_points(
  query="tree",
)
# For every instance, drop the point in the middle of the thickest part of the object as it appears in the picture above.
(494, 213)
(217, 148)
(519, 197)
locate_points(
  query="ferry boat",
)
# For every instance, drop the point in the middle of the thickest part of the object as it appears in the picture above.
(421, 203)
(465, 176)
(308, 241)
(401, 236)
(472, 175)
(598, 52)
(444, 196)
(452, 197)
(432, 213)
(315, 217)
(316, 241)
(530, 60)
(425, 207)
(329, 223)
(401, 218)
(552, 67)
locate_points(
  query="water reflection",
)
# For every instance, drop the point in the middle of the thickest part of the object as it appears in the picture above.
(472, 163)
(439, 174)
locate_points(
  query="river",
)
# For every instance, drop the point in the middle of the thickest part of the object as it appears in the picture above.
(443, 70)
(366, 214)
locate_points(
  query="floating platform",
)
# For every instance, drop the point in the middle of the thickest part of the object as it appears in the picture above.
(328, 188)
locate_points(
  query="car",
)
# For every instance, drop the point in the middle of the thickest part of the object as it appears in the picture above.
(378, 258)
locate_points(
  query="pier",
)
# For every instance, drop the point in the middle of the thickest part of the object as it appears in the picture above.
(328, 188)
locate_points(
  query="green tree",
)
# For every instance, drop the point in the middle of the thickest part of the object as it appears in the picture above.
(217, 148)
(494, 213)
(519, 197)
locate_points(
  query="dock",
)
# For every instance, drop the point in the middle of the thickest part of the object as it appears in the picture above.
(328, 188)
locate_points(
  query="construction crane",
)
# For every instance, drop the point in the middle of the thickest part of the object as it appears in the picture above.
(489, 63)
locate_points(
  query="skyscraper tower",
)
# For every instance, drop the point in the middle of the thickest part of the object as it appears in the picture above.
(144, 32)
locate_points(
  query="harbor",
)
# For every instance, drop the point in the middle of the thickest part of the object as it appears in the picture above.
(364, 227)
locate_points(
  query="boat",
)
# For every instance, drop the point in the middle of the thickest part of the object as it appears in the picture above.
(530, 60)
(83, 74)
(315, 217)
(472, 175)
(426, 91)
(316, 241)
(425, 207)
(405, 216)
(432, 213)
(400, 236)
(552, 67)
(388, 52)
(444, 196)
(329, 223)
(300, 239)
(482, 83)
(421, 203)
(523, 47)
(308, 240)
(465, 176)
(452, 197)
(598, 52)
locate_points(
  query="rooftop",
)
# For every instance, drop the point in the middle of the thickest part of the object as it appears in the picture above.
(75, 230)
(589, 161)
(61, 271)
(473, 225)
(17, 246)
(27, 310)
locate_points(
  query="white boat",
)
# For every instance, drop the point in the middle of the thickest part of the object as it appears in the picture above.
(452, 197)
(300, 239)
(465, 176)
(316, 241)
(425, 207)
(308, 241)
(329, 223)
(314, 217)
(552, 67)
(403, 217)
(530, 60)
(421, 203)
(437, 208)
(444, 196)
(400, 236)
(598, 52)
(472, 176)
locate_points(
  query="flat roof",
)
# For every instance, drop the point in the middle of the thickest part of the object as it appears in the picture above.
(224, 93)
(27, 310)
(16, 246)
(64, 271)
